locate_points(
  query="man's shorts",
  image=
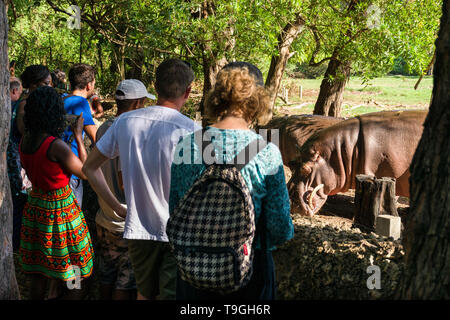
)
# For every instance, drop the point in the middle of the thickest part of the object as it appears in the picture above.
(77, 188)
(114, 260)
(154, 267)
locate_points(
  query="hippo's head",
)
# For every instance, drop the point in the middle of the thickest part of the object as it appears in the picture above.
(313, 179)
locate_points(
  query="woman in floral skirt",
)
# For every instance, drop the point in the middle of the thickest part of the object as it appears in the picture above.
(55, 242)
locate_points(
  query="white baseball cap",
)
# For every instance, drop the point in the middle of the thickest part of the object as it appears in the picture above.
(133, 89)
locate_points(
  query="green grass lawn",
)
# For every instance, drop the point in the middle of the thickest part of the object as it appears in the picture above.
(386, 93)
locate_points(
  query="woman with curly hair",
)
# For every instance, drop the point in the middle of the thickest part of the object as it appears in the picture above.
(55, 241)
(238, 101)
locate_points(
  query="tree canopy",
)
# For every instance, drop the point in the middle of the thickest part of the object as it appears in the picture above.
(128, 38)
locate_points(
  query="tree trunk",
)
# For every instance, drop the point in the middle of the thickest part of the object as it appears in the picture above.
(332, 88)
(135, 61)
(211, 68)
(8, 283)
(278, 63)
(428, 230)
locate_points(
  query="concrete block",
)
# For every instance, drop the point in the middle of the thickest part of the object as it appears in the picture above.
(389, 226)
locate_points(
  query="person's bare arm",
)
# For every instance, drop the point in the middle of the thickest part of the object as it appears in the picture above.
(98, 109)
(121, 181)
(78, 135)
(19, 117)
(92, 169)
(91, 131)
(63, 154)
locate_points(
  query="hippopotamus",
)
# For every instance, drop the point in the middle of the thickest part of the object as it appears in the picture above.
(381, 144)
(295, 130)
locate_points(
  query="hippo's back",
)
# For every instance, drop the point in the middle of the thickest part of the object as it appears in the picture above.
(295, 130)
(390, 140)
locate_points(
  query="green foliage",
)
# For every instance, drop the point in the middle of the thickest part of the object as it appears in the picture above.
(129, 38)
(371, 34)
(38, 36)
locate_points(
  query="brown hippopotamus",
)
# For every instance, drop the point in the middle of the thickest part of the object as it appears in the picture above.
(380, 144)
(295, 130)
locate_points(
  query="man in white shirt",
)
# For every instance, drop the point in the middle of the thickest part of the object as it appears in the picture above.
(145, 140)
(116, 272)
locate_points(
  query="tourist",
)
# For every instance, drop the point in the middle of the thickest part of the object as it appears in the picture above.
(55, 242)
(82, 83)
(237, 101)
(145, 139)
(32, 78)
(18, 189)
(96, 106)
(116, 273)
(59, 82)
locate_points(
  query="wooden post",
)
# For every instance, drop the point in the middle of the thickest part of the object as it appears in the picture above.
(285, 94)
(373, 197)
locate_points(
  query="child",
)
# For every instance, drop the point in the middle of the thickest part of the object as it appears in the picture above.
(55, 240)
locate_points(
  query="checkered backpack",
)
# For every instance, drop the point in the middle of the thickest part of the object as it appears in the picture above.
(211, 230)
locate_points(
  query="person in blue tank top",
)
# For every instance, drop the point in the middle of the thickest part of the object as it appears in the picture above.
(82, 83)
(238, 101)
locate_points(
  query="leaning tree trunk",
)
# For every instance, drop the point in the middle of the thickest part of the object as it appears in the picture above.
(278, 63)
(332, 88)
(8, 283)
(427, 252)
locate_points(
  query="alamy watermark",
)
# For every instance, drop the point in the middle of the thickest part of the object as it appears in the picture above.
(373, 17)
(76, 282)
(206, 153)
(374, 281)
(74, 20)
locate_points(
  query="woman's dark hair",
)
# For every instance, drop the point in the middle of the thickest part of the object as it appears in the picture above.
(33, 75)
(58, 77)
(252, 69)
(44, 112)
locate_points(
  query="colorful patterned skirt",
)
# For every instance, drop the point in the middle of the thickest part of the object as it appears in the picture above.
(55, 239)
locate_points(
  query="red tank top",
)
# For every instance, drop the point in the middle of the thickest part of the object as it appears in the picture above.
(43, 173)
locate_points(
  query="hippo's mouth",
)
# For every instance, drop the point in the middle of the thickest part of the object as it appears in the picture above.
(310, 199)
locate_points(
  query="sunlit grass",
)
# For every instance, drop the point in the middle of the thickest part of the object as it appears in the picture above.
(386, 93)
